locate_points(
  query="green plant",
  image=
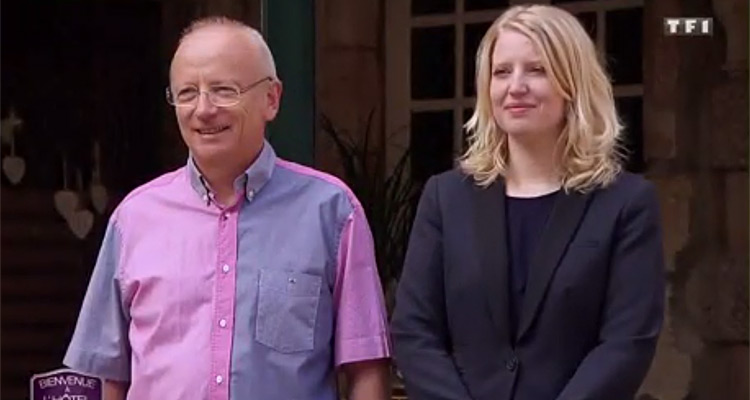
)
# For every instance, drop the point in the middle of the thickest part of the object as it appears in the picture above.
(388, 196)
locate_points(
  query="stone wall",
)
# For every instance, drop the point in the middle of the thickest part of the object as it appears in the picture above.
(696, 144)
(349, 74)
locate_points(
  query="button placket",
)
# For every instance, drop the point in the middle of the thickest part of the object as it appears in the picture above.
(224, 289)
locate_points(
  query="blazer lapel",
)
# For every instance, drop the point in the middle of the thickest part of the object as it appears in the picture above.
(490, 233)
(559, 230)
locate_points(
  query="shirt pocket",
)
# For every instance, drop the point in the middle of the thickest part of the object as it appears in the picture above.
(287, 310)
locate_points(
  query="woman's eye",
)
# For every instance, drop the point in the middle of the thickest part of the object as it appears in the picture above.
(500, 72)
(537, 69)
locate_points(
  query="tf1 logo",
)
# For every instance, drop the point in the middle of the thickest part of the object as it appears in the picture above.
(688, 26)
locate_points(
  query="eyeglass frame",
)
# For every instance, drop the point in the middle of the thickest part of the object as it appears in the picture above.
(240, 91)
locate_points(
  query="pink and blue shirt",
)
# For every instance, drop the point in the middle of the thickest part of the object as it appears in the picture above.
(259, 300)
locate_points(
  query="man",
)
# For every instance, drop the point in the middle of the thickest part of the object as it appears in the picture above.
(238, 276)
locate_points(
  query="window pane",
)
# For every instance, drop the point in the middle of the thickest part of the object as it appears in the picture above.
(588, 20)
(630, 110)
(472, 36)
(468, 112)
(624, 42)
(424, 7)
(472, 5)
(433, 62)
(431, 143)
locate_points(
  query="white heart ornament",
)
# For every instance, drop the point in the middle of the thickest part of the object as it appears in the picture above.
(14, 167)
(81, 222)
(99, 197)
(66, 202)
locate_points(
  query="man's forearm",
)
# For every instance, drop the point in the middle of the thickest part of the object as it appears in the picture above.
(368, 380)
(114, 390)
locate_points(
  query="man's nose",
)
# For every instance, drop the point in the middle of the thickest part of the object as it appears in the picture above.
(204, 106)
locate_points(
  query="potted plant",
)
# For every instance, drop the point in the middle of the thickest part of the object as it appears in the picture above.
(388, 196)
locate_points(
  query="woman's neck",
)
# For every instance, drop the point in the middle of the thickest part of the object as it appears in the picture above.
(533, 168)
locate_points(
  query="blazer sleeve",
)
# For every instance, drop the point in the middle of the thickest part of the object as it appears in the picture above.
(633, 311)
(419, 326)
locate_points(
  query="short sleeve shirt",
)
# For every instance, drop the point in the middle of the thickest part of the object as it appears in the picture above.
(259, 300)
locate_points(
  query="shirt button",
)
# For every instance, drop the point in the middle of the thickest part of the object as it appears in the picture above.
(511, 364)
(224, 216)
(223, 323)
(250, 194)
(225, 268)
(219, 379)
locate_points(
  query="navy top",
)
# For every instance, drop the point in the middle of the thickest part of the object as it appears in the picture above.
(526, 218)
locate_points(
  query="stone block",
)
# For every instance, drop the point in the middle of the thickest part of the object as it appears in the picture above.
(721, 373)
(660, 127)
(349, 23)
(661, 61)
(348, 85)
(737, 217)
(671, 371)
(729, 121)
(716, 297)
(674, 199)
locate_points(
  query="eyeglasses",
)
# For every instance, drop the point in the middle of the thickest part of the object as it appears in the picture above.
(225, 95)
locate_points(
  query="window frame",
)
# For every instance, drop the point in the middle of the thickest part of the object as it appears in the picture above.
(399, 22)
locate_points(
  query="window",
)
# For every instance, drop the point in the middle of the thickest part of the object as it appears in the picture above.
(430, 53)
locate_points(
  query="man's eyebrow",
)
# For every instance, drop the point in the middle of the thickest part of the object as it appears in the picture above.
(184, 86)
(215, 82)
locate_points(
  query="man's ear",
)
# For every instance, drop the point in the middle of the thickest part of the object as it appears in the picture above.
(273, 99)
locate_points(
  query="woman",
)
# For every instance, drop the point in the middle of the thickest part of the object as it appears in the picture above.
(535, 270)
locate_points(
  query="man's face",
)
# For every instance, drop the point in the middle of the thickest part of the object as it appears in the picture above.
(212, 61)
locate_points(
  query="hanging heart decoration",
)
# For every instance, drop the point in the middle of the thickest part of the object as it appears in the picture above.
(14, 167)
(99, 197)
(66, 200)
(97, 191)
(81, 220)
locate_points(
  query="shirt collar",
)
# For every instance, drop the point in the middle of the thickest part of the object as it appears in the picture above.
(249, 182)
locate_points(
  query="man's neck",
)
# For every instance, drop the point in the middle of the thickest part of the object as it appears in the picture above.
(533, 167)
(221, 178)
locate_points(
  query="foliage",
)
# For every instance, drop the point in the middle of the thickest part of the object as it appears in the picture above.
(387, 196)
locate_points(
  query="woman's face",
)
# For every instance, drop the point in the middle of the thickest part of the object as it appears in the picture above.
(524, 101)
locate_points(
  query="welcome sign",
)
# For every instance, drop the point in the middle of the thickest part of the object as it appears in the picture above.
(65, 384)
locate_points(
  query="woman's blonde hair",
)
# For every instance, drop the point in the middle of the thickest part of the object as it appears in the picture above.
(591, 153)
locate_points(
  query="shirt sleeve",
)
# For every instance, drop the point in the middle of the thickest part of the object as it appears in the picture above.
(361, 321)
(99, 345)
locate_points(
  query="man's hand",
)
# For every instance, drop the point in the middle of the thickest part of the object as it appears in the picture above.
(368, 380)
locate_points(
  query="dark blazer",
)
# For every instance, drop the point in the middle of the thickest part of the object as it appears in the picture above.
(590, 316)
